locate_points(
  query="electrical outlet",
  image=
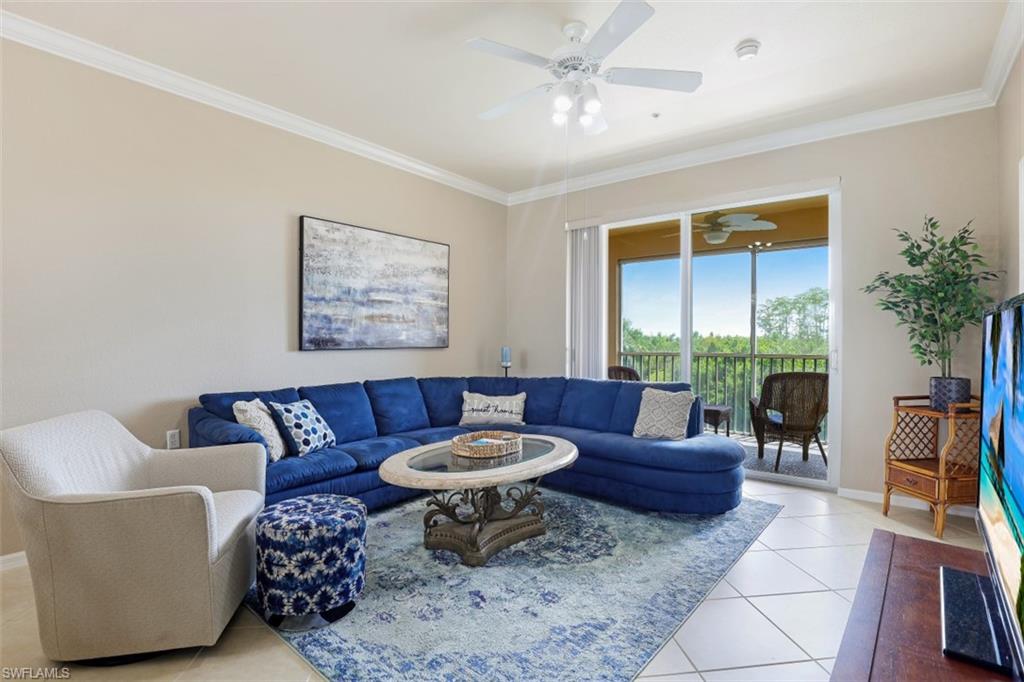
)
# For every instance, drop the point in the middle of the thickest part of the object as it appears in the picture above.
(173, 439)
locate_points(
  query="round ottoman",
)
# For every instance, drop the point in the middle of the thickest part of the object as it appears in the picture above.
(310, 556)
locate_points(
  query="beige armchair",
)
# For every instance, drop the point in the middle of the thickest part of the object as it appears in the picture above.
(130, 549)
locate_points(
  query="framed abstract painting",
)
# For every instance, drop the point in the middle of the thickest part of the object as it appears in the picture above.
(362, 288)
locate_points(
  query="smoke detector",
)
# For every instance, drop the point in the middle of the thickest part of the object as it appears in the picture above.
(747, 49)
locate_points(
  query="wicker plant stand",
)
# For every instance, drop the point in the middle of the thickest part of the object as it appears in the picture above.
(914, 465)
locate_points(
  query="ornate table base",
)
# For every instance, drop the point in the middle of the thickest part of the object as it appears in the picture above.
(481, 521)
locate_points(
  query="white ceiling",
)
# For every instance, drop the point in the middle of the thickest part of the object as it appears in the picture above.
(398, 74)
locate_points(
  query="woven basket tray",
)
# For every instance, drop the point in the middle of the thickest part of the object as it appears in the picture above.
(507, 443)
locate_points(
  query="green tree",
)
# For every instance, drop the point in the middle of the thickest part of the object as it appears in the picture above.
(635, 340)
(794, 324)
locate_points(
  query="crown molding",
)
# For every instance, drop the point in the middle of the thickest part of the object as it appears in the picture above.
(1005, 50)
(42, 37)
(850, 125)
(1008, 44)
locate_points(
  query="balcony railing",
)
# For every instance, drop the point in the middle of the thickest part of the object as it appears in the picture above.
(725, 378)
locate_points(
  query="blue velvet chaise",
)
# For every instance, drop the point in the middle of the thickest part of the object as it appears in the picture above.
(373, 420)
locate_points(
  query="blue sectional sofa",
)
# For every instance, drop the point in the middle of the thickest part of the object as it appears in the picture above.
(373, 420)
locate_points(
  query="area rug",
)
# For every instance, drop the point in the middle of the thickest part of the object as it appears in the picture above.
(593, 599)
(792, 463)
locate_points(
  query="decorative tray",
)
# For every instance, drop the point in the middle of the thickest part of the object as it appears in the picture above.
(485, 444)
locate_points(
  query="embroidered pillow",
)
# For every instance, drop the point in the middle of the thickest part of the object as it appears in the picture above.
(302, 427)
(663, 414)
(255, 415)
(492, 409)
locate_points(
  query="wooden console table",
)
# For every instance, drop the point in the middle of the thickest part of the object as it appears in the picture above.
(895, 627)
(913, 464)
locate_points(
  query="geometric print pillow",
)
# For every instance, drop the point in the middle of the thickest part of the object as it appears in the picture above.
(663, 414)
(302, 427)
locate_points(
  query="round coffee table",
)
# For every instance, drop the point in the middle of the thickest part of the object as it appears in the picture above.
(468, 514)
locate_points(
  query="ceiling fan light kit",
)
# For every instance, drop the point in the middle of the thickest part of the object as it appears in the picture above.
(717, 226)
(576, 65)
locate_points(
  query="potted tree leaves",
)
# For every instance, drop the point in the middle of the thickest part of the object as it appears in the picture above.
(941, 295)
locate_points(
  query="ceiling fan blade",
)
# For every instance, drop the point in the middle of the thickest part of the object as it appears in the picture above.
(752, 226)
(738, 218)
(515, 102)
(623, 22)
(507, 51)
(662, 79)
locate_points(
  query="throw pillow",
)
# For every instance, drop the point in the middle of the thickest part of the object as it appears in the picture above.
(663, 414)
(478, 408)
(302, 427)
(255, 415)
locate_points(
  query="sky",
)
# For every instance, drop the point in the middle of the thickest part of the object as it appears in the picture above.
(721, 288)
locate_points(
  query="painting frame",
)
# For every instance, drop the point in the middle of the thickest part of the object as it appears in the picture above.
(304, 343)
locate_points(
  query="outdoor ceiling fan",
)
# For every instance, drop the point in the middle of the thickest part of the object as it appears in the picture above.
(717, 226)
(576, 66)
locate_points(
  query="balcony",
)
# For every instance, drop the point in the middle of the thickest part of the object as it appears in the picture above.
(725, 378)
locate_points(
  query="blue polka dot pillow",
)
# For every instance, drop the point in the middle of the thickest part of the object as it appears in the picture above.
(302, 427)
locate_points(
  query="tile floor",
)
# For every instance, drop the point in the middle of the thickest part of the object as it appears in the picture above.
(779, 614)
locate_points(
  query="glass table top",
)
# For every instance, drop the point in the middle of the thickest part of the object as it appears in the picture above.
(441, 459)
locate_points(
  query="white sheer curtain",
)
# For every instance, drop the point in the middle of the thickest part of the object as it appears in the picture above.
(585, 303)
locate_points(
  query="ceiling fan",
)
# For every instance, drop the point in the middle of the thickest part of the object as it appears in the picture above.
(576, 66)
(717, 226)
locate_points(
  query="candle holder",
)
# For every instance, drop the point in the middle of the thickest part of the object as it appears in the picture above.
(506, 358)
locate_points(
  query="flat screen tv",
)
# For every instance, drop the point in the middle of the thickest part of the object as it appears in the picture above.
(1001, 484)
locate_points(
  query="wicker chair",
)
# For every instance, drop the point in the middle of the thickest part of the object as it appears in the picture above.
(792, 408)
(620, 373)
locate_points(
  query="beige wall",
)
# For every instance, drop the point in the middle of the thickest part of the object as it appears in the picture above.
(150, 252)
(890, 178)
(1010, 111)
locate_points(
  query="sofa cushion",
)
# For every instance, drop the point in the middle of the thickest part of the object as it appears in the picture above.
(220, 403)
(627, 405)
(569, 433)
(588, 404)
(397, 405)
(543, 398)
(700, 453)
(369, 453)
(345, 408)
(443, 398)
(668, 480)
(493, 385)
(435, 434)
(234, 510)
(292, 472)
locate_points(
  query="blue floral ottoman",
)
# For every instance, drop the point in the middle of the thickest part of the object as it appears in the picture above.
(310, 557)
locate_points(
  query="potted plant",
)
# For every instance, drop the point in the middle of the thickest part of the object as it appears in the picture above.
(935, 301)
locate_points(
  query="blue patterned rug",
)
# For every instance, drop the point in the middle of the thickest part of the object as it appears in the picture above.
(593, 599)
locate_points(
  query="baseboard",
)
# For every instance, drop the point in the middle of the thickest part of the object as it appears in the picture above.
(898, 500)
(12, 560)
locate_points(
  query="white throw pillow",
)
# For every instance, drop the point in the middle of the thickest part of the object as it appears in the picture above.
(663, 414)
(256, 416)
(492, 409)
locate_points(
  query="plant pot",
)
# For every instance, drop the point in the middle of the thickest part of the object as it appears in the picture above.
(943, 391)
